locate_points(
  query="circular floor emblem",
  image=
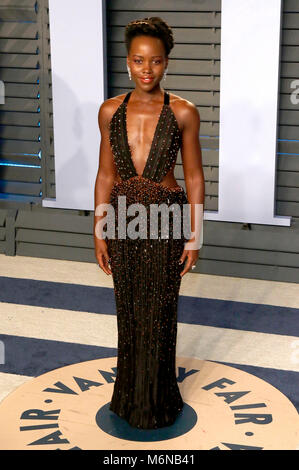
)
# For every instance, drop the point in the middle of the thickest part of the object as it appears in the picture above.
(224, 408)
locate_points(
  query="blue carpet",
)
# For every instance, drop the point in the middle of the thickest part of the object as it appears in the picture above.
(191, 310)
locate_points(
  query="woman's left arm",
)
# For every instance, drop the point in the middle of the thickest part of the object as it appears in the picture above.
(194, 179)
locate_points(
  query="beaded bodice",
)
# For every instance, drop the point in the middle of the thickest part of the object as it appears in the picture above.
(164, 148)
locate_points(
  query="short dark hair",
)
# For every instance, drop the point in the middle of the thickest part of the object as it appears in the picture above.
(150, 26)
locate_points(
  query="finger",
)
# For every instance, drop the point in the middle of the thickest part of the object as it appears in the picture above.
(187, 266)
(194, 260)
(183, 256)
(103, 263)
(107, 262)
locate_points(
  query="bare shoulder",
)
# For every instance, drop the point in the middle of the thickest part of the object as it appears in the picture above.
(108, 108)
(185, 111)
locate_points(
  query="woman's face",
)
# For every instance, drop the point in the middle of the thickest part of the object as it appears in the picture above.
(147, 58)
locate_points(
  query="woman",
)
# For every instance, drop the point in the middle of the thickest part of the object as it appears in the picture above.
(141, 133)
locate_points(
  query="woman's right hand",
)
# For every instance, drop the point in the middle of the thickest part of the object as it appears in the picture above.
(102, 256)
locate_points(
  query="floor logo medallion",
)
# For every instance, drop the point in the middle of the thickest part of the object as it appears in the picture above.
(224, 408)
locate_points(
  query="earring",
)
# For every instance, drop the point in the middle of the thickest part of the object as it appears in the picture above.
(129, 72)
(165, 72)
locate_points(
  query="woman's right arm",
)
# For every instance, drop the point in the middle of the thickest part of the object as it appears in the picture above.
(105, 179)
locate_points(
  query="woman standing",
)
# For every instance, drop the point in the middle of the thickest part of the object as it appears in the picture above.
(141, 133)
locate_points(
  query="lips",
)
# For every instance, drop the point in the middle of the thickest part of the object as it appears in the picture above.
(146, 79)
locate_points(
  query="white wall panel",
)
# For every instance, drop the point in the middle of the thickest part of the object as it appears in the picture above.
(78, 88)
(249, 93)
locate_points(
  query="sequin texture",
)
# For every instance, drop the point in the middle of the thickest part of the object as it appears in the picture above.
(146, 278)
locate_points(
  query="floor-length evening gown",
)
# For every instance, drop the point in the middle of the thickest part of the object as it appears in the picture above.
(146, 277)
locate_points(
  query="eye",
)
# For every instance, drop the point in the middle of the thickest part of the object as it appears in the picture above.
(137, 61)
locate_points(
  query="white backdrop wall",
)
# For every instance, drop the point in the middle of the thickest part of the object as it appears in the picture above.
(78, 89)
(249, 94)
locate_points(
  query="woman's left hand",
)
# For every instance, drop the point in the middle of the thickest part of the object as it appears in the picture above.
(192, 257)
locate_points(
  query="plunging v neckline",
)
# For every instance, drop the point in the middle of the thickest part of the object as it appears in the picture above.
(153, 140)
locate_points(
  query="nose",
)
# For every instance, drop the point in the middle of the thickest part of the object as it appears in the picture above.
(147, 68)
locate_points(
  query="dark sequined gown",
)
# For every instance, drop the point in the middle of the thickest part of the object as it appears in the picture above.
(146, 277)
